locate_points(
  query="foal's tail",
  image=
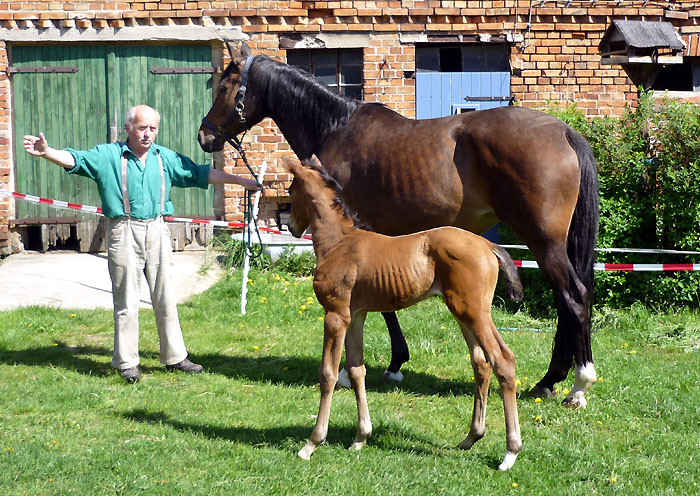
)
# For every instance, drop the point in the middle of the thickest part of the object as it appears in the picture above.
(514, 287)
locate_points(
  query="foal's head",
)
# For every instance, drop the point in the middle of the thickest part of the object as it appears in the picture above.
(311, 183)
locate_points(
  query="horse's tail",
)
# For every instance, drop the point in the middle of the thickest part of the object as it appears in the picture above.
(514, 288)
(584, 223)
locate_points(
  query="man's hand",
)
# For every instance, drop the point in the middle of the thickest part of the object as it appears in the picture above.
(36, 146)
(249, 184)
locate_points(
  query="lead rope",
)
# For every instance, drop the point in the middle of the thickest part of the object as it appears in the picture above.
(248, 214)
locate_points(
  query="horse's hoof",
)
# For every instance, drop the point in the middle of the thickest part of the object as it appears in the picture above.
(343, 380)
(541, 392)
(392, 376)
(574, 401)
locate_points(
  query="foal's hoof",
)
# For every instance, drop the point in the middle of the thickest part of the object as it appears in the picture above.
(541, 392)
(508, 461)
(306, 452)
(392, 376)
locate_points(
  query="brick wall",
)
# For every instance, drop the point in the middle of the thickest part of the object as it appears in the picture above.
(554, 52)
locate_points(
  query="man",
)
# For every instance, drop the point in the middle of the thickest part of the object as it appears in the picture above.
(134, 180)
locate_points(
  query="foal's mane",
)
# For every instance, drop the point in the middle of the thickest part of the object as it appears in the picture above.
(338, 203)
(296, 94)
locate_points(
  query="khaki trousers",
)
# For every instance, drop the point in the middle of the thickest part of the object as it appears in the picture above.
(136, 247)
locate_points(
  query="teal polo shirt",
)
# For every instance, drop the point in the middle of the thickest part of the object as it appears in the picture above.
(103, 165)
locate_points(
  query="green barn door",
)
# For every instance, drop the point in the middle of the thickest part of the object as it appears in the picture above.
(69, 108)
(84, 108)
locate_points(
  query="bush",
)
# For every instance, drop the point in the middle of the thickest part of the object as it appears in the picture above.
(649, 172)
(233, 254)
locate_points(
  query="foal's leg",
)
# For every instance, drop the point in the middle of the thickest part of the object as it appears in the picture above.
(483, 333)
(482, 374)
(334, 328)
(354, 364)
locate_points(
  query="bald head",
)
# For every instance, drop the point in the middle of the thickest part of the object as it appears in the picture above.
(141, 125)
(141, 112)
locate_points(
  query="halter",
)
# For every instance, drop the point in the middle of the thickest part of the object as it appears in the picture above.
(236, 143)
(220, 131)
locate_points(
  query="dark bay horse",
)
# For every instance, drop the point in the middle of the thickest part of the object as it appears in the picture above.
(359, 271)
(523, 167)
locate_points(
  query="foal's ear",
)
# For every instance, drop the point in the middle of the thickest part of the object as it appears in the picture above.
(291, 164)
(245, 49)
(314, 161)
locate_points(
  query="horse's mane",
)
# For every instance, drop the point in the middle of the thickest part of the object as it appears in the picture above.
(294, 92)
(339, 203)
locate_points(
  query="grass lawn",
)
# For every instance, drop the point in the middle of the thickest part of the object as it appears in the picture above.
(70, 425)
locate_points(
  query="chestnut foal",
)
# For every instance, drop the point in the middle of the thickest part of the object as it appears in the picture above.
(359, 271)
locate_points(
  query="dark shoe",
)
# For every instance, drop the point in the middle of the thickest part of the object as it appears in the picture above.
(132, 374)
(185, 366)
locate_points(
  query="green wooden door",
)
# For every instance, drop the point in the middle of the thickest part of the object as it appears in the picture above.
(84, 108)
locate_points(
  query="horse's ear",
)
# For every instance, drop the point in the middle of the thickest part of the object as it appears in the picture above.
(291, 164)
(245, 49)
(230, 49)
(314, 161)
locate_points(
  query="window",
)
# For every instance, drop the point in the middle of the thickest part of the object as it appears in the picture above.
(679, 77)
(341, 69)
(492, 57)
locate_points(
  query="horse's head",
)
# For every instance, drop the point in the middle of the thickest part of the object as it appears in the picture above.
(231, 113)
(306, 185)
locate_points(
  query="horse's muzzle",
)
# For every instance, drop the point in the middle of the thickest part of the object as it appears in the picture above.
(209, 142)
(294, 231)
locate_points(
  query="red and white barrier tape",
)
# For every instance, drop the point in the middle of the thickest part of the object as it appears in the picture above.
(98, 211)
(525, 264)
(621, 267)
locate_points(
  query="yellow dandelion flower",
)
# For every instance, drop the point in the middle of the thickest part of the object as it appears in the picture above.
(250, 282)
(566, 391)
(518, 383)
(556, 390)
(599, 422)
(285, 368)
(443, 328)
(320, 319)
(256, 348)
(242, 326)
(284, 291)
(538, 400)
(300, 312)
(72, 315)
(263, 299)
(515, 484)
(524, 379)
(295, 284)
(303, 307)
(538, 419)
(277, 278)
(55, 344)
(633, 352)
(600, 379)
(613, 479)
(286, 283)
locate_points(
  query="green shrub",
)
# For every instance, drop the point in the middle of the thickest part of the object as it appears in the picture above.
(649, 173)
(232, 255)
